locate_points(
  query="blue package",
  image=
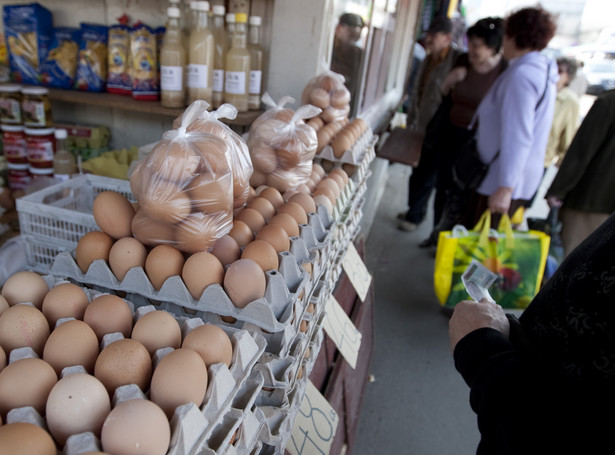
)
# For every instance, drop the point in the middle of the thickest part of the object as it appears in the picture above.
(60, 66)
(92, 58)
(118, 69)
(28, 29)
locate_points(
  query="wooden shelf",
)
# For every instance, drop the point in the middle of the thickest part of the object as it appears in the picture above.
(130, 104)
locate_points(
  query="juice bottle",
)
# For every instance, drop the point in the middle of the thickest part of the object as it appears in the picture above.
(221, 47)
(172, 62)
(201, 57)
(237, 68)
(230, 29)
(257, 57)
(64, 165)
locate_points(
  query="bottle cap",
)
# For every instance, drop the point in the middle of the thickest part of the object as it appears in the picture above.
(241, 18)
(230, 18)
(202, 6)
(219, 10)
(61, 134)
(173, 11)
(255, 20)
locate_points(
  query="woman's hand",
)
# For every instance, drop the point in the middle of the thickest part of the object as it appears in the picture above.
(470, 315)
(453, 78)
(499, 202)
(554, 202)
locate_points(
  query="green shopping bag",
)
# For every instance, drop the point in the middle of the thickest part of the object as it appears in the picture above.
(517, 257)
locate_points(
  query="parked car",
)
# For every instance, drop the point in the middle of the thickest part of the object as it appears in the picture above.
(600, 76)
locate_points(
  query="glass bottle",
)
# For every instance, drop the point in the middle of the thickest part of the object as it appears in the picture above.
(237, 68)
(64, 165)
(183, 19)
(201, 57)
(230, 29)
(257, 57)
(221, 47)
(172, 62)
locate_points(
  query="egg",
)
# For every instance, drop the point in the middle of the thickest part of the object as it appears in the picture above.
(340, 172)
(3, 304)
(124, 362)
(244, 282)
(136, 427)
(252, 218)
(258, 178)
(26, 382)
(226, 249)
(241, 232)
(23, 325)
(163, 262)
(175, 161)
(151, 231)
(323, 200)
(199, 231)
(322, 191)
(25, 438)
(66, 300)
(179, 378)
(273, 196)
(318, 170)
(209, 194)
(295, 210)
(166, 202)
(71, 343)
(304, 200)
(125, 254)
(307, 267)
(77, 403)
(262, 253)
(107, 314)
(276, 236)
(320, 98)
(316, 123)
(113, 214)
(339, 180)
(157, 329)
(211, 343)
(264, 158)
(201, 270)
(340, 98)
(290, 156)
(331, 185)
(286, 222)
(92, 246)
(3, 359)
(23, 287)
(263, 206)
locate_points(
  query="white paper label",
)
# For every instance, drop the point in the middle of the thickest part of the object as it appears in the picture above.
(255, 82)
(357, 272)
(171, 78)
(197, 76)
(235, 82)
(342, 331)
(315, 425)
(218, 81)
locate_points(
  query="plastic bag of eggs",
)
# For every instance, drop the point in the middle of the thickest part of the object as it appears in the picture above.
(328, 92)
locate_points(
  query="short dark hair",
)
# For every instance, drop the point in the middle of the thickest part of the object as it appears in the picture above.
(531, 28)
(354, 20)
(570, 65)
(440, 24)
(490, 30)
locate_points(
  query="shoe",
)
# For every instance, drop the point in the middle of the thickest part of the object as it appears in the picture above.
(401, 215)
(405, 225)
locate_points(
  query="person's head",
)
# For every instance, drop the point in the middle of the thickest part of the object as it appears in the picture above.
(528, 29)
(485, 39)
(567, 69)
(349, 27)
(439, 34)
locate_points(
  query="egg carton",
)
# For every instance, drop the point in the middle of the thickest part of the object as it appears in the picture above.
(355, 154)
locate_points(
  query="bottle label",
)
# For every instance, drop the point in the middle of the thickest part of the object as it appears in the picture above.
(40, 151)
(10, 111)
(255, 82)
(197, 76)
(218, 81)
(235, 82)
(171, 78)
(34, 113)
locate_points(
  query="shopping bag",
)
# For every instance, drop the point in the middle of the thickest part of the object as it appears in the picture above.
(517, 257)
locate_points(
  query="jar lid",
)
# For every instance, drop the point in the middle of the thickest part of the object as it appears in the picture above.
(41, 170)
(34, 91)
(10, 88)
(255, 20)
(18, 167)
(61, 133)
(241, 18)
(39, 131)
(230, 17)
(219, 10)
(173, 12)
(201, 5)
(12, 128)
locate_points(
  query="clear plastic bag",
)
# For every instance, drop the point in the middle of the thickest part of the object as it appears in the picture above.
(328, 92)
(282, 146)
(185, 188)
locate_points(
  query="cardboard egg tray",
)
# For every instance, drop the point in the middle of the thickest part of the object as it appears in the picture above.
(356, 152)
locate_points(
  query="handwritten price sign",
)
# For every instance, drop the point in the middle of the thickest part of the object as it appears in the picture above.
(357, 272)
(342, 331)
(315, 425)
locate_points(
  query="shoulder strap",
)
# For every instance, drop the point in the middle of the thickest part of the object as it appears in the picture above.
(545, 90)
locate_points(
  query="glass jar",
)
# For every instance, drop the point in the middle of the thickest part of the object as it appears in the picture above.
(10, 104)
(14, 144)
(40, 147)
(37, 173)
(18, 176)
(36, 107)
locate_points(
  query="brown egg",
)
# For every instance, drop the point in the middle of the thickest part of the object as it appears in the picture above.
(71, 343)
(322, 191)
(3, 360)
(113, 214)
(258, 178)
(175, 161)
(22, 438)
(92, 246)
(264, 158)
(304, 200)
(316, 123)
(263, 206)
(276, 236)
(244, 282)
(295, 210)
(23, 287)
(307, 267)
(318, 169)
(321, 199)
(26, 382)
(285, 115)
(66, 300)
(252, 218)
(286, 222)
(166, 202)
(251, 193)
(339, 171)
(226, 249)
(23, 325)
(211, 343)
(3, 304)
(331, 185)
(151, 231)
(262, 253)
(107, 314)
(157, 329)
(201, 270)
(242, 233)
(199, 231)
(290, 156)
(339, 180)
(179, 378)
(125, 254)
(273, 196)
(211, 195)
(320, 98)
(124, 362)
(340, 98)
(163, 262)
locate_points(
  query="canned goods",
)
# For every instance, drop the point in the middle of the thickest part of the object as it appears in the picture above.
(10, 104)
(40, 146)
(14, 144)
(18, 176)
(36, 107)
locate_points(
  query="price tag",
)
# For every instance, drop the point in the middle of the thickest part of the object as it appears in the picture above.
(342, 331)
(315, 425)
(357, 272)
